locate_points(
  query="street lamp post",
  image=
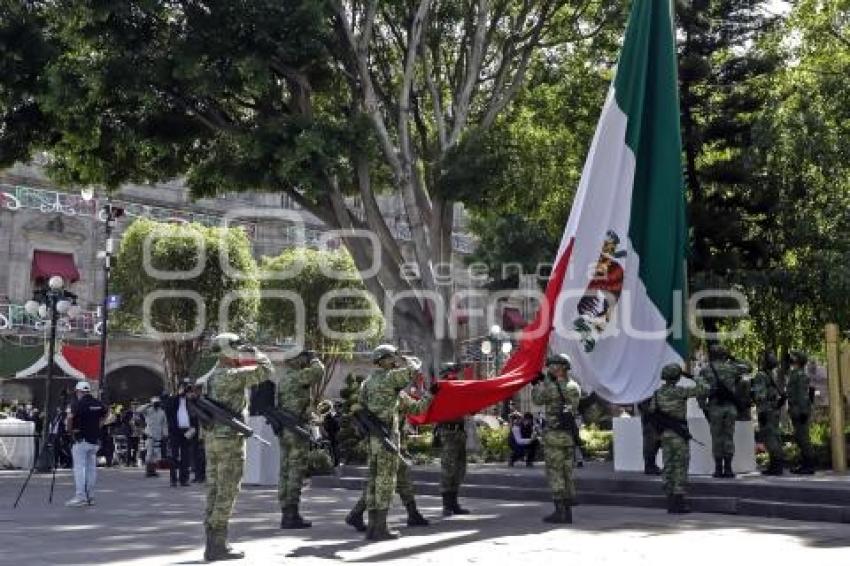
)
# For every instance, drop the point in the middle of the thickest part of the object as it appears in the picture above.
(109, 214)
(50, 302)
(498, 344)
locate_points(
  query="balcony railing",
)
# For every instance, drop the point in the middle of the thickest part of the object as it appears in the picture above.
(15, 320)
(14, 197)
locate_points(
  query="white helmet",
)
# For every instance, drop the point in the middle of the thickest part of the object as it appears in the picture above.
(83, 386)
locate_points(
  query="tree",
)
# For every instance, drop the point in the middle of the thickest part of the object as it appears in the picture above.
(326, 283)
(318, 99)
(148, 248)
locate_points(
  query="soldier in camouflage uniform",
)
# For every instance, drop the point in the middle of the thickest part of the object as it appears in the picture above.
(382, 393)
(651, 440)
(671, 401)
(293, 394)
(722, 376)
(559, 396)
(769, 398)
(404, 488)
(225, 448)
(452, 436)
(800, 411)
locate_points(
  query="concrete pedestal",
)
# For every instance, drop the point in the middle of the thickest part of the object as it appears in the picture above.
(262, 463)
(628, 445)
(16, 451)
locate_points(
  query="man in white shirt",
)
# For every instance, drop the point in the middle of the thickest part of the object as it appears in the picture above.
(180, 433)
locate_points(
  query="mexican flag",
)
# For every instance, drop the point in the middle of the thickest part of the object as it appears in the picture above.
(621, 308)
(616, 299)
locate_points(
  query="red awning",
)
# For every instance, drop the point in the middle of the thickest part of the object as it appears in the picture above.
(47, 264)
(512, 319)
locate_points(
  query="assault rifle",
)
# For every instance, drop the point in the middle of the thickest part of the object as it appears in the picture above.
(281, 419)
(664, 421)
(211, 413)
(370, 425)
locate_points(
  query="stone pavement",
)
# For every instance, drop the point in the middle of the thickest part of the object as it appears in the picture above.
(144, 522)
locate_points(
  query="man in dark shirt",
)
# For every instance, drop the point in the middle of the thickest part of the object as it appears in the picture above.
(85, 417)
(180, 433)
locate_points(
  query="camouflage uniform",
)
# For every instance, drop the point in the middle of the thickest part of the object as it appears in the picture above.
(225, 448)
(722, 412)
(294, 392)
(768, 399)
(800, 413)
(672, 400)
(651, 440)
(558, 444)
(404, 489)
(383, 394)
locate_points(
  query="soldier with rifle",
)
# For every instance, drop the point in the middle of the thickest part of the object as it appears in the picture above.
(559, 395)
(293, 405)
(723, 406)
(404, 484)
(377, 410)
(667, 410)
(220, 410)
(769, 399)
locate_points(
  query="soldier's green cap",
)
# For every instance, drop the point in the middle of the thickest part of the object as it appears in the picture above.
(383, 351)
(671, 372)
(559, 359)
(718, 352)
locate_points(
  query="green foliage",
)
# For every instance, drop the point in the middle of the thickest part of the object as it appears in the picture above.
(494, 443)
(420, 444)
(598, 444)
(319, 463)
(351, 447)
(180, 248)
(314, 276)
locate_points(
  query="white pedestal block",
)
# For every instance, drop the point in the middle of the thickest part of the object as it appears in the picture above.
(628, 446)
(262, 463)
(16, 452)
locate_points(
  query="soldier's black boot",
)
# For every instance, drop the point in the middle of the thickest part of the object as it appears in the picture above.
(556, 515)
(718, 468)
(456, 508)
(447, 505)
(355, 517)
(370, 529)
(150, 471)
(414, 517)
(679, 506)
(727, 468)
(381, 530)
(290, 518)
(671, 504)
(218, 549)
(567, 516)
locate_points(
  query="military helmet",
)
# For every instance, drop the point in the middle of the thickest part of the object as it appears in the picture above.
(671, 372)
(224, 341)
(559, 359)
(383, 351)
(798, 357)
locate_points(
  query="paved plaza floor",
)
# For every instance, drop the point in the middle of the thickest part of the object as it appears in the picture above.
(139, 521)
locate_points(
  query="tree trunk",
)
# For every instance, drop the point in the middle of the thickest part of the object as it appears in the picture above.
(178, 358)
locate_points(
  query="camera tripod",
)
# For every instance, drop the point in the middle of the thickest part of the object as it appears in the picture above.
(51, 445)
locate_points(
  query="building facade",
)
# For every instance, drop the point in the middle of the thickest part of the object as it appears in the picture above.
(46, 230)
